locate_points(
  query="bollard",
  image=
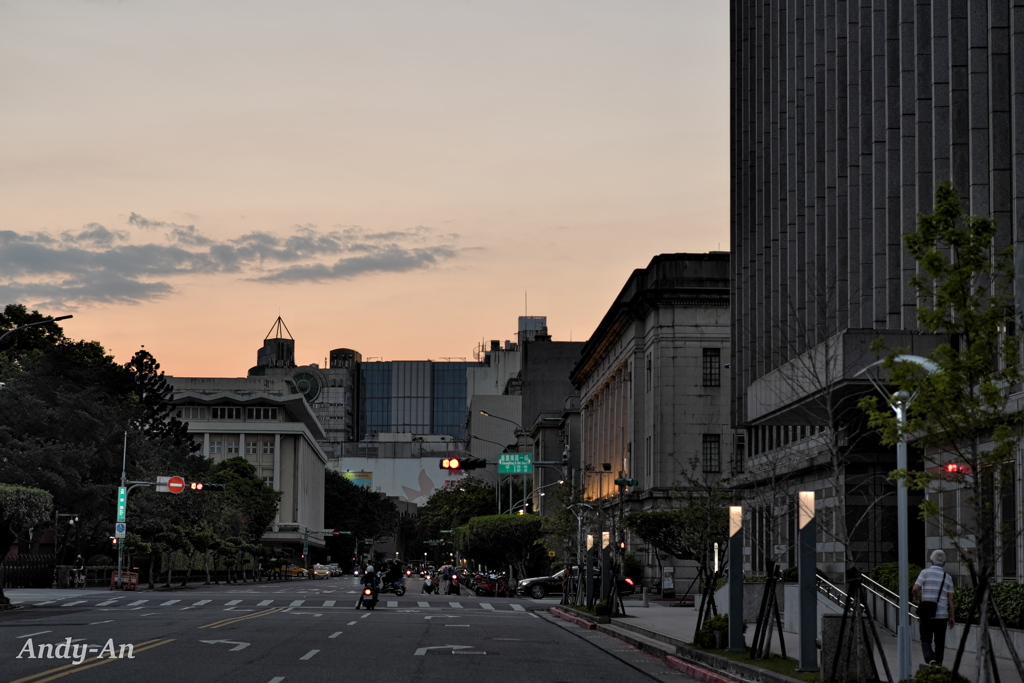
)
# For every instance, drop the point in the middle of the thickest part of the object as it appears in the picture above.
(647, 597)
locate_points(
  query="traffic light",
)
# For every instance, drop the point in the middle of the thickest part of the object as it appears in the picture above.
(622, 545)
(113, 541)
(473, 463)
(956, 468)
(205, 486)
(450, 463)
(622, 481)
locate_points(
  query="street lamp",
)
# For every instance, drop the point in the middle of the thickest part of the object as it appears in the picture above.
(524, 498)
(899, 402)
(38, 322)
(519, 431)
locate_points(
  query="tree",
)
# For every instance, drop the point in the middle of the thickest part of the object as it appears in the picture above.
(349, 507)
(503, 540)
(964, 413)
(248, 504)
(21, 508)
(450, 508)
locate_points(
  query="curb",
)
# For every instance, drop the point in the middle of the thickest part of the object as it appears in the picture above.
(572, 618)
(697, 672)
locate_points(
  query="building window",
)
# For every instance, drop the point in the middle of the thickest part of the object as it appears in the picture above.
(214, 447)
(268, 447)
(649, 462)
(649, 372)
(261, 413)
(712, 369)
(250, 448)
(741, 452)
(712, 453)
(232, 448)
(223, 413)
(191, 413)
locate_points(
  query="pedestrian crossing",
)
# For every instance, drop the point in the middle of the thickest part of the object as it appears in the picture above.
(133, 603)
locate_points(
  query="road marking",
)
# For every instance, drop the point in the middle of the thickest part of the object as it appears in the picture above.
(169, 602)
(309, 655)
(364, 616)
(457, 625)
(201, 602)
(351, 623)
(72, 604)
(47, 602)
(264, 603)
(456, 605)
(233, 620)
(137, 602)
(35, 634)
(329, 603)
(148, 614)
(277, 679)
(392, 603)
(229, 603)
(486, 605)
(423, 603)
(517, 607)
(423, 650)
(108, 602)
(338, 633)
(297, 603)
(239, 645)
(108, 621)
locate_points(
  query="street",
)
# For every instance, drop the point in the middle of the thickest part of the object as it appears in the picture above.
(302, 630)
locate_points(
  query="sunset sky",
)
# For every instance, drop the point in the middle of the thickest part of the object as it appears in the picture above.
(400, 177)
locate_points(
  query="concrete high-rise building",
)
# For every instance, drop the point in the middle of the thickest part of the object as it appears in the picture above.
(845, 118)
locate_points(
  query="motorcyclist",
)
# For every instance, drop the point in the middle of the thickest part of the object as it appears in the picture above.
(393, 574)
(370, 580)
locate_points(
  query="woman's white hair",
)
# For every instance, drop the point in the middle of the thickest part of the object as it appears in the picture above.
(939, 557)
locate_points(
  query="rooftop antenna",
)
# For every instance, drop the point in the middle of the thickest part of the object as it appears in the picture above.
(279, 326)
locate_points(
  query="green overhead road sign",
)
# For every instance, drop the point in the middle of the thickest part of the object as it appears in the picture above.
(122, 502)
(515, 463)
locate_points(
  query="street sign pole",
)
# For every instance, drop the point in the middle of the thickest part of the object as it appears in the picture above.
(122, 505)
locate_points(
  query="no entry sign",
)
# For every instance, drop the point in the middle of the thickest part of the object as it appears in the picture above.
(175, 484)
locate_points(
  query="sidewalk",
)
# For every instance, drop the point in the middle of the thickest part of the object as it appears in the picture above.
(673, 626)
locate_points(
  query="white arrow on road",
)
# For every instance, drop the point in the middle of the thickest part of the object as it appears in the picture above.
(443, 616)
(240, 646)
(423, 650)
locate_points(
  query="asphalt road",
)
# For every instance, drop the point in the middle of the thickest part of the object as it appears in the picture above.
(303, 630)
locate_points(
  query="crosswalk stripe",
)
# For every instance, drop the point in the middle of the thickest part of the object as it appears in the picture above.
(423, 603)
(392, 603)
(99, 604)
(136, 603)
(518, 608)
(169, 602)
(486, 605)
(264, 603)
(231, 603)
(456, 605)
(201, 602)
(297, 603)
(40, 604)
(329, 603)
(72, 604)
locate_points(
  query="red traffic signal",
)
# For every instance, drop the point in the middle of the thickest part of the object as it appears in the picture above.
(450, 463)
(956, 468)
(205, 486)
(196, 486)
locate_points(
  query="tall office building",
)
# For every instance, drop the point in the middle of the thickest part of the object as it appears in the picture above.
(845, 118)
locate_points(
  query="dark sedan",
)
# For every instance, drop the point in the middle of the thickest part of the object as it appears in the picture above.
(539, 586)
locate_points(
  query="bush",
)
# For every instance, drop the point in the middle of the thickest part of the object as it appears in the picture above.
(1009, 599)
(633, 568)
(603, 609)
(935, 674)
(790, 574)
(705, 637)
(888, 574)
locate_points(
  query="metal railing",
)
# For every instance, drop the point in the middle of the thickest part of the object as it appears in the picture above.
(881, 602)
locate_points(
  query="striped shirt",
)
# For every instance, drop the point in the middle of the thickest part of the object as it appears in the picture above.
(930, 580)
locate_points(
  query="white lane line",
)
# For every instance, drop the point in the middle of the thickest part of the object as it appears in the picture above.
(29, 635)
(364, 616)
(231, 603)
(456, 605)
(329, 603)
(149, 614)
(351, 623)
(201, 602)
(136, 603)
(169, 602)
(108, 602)
(108, 621)
(423, 603)
(392, 603)
(335, 634)
(72, 604)
(47, 602)
(277, 679)
(297, 603)
(309, 655)
(264, 603)
(519, 608)
(486, 605)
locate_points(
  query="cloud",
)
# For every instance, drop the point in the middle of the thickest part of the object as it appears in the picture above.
(97, 265)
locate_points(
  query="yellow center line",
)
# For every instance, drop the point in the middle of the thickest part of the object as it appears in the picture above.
(62, 671)
(233, 620)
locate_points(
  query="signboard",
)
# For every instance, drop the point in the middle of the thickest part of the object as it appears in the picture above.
(119, 529)
(515, 463)
(175, 484)
(122, 502)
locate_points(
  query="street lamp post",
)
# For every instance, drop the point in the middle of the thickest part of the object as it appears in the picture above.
(519, 431)
(899, 402)
(523, 499)
(38, 322)
(497, 474)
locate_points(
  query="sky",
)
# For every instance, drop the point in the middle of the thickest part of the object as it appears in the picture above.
(400, 177)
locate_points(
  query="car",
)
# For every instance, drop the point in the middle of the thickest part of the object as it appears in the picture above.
(540, 586)
(321, 571)
(293, 570)
(335, 569)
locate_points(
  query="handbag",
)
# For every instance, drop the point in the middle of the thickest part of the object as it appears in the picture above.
(928, 608)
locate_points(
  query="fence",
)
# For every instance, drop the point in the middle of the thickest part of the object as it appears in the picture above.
(28, 571)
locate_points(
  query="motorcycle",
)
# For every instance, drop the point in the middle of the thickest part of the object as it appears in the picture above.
(398, 588)
(430, 584)
(453, 585)
(493, 585)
